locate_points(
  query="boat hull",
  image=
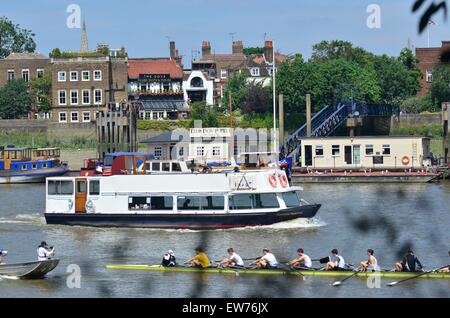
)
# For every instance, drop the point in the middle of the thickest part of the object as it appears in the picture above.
(181, 220)
(31, 177)
(234, 271)
(31, 270)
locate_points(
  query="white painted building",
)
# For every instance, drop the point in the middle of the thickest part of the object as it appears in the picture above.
(197, 86)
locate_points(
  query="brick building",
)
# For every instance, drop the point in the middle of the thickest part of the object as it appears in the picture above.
(428, 58)
(24, 66)
(81, 86)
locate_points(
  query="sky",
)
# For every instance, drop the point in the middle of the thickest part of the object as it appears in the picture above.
(144, 28)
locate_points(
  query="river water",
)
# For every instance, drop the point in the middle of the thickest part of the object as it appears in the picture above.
(385, 217)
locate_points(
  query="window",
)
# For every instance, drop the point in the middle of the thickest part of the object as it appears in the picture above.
(176, 167)
(86, 117)
(200, 202)
(181, 151)
(200, 151)
(62, 97)
(254, 201)
(63, 117)
(319, 150)
(61, 76)
(24, 167)
(97, 96)
(73, 76)
(386, 149)
(223, 73)
(26, 75)
(139, 203)
(74, 117)
(369, 150)
(165, 166)
(270, 71)
(85, 76)
(429, 76)
(34, 166)
(158, 152)
(150, 203)
(161, 203)
(10, 75)
(56, 187)
(161, 115)
(216, 151)
(94, 187)
(44, 166)
(291, 199)
(97, 75)
(156, 166)
(377, 160)
(39, 73)
(155, 115)
(73, 97)
(86, 97)
(196, 82)
(335, 150)
(254, 71)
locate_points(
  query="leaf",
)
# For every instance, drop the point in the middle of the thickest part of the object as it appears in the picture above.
(417, 5)
(432, 9)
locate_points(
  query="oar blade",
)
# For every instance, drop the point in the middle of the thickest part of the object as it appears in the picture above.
(338, 283)
(392, 284)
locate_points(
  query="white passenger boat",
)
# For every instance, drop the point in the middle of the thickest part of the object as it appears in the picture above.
(189, 200)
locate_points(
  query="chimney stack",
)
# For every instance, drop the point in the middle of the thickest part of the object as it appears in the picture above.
(268, 51)
(238, 47)
(206, 48)
(172, 50)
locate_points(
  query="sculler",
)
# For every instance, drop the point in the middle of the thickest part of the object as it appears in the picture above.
(200, 259)
(169, 259)
(268, 260)
(233, 259)
(303, 260)
(2, 256)
(335, 261)
(408, 263)
(44, 252)
(371, 263)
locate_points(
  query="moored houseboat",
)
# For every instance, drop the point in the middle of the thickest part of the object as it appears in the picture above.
(176, 200)
(24, 165)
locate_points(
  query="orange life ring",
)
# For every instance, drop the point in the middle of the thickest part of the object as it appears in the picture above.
(283, 180)
(273, 181)
(405, 160)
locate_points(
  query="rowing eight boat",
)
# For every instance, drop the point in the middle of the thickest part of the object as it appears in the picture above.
(235, 271)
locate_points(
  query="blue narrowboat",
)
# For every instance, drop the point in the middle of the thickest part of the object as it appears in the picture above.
(26, 165)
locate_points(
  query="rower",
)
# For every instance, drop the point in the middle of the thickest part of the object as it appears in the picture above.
(335, 261)
(44, 252)
(408, 263)
(268, 260)
(371, 263)
(169, 259)
(233, 259)
(2, 256)
(200, 259)
(446, 269)
(303, 260)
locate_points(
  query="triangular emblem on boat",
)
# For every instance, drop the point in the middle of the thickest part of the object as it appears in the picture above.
(243, 184)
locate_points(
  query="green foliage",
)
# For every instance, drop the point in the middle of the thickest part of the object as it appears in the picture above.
(253, 50)
(164, 124)
(41, 88)
(408, 59)
(338, 49)
(432, 130)
(257, 121)
(14, 39)
(237, 85)
(256, 99)
(440, 87)
(419, 104)
(15, 101)
(43, 140)
(56, 52)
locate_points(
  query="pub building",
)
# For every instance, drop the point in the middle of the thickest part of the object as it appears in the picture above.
(156, 84)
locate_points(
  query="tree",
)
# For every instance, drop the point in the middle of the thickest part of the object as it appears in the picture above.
(56, 52)
(253, 50)
(338, 49)
(396, 80)
(440, 87)
(15, 100)
(207, 114)
(237, 84)
(41, 89)
(256, 99)
(14, 39)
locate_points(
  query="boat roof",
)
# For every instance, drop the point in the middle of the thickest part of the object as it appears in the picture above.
(124, 153)
(14, 148)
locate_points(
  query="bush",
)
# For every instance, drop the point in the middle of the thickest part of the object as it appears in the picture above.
(432, 130)
(257, 121)
(418, 105)
(164, 124)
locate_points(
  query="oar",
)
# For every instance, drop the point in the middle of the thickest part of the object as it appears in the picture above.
(339, 282)
(421, 274)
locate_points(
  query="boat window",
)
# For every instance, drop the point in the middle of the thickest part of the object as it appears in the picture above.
(81, 186)
(24, 167)
(155, 166)
(94, 187)
(60, 187)
(147, 166)
(166, 166)
(162, 203)
(265, 200)
(241, 201)
(188, 203)
(34, 166)
(176, 166)
(44, 165)
(291, 199)
(138, 203)
(216, 202)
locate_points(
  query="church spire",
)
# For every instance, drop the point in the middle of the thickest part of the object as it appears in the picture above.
(84, 41)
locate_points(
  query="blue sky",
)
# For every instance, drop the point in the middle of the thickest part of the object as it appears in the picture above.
(143, 27)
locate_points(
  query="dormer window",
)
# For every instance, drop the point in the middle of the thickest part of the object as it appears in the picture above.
(254, 71)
